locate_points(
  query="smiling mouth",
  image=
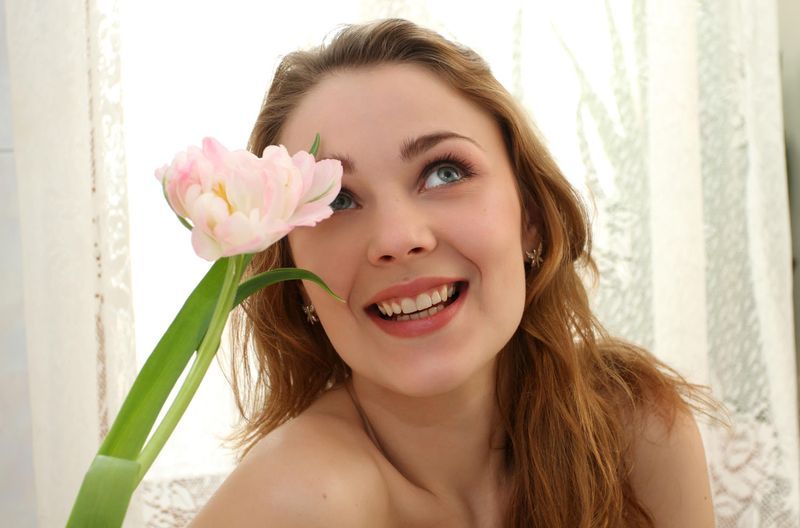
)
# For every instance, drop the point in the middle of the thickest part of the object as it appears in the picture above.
(421, 314)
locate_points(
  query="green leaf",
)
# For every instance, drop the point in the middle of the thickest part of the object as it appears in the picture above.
(314, 146)
(105, 493)
(106, 490)
(263, 280)
(168, 360)
(163, 368)
(205, 354)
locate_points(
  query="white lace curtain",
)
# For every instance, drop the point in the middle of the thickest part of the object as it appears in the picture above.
(666, 114)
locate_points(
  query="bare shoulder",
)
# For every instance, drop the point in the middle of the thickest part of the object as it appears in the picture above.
(669, 472)
(309, 472)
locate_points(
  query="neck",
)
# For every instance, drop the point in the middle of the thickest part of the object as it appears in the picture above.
(449, 444)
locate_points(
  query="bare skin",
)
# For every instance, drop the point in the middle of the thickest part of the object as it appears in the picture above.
(323, 469)
(322, 466)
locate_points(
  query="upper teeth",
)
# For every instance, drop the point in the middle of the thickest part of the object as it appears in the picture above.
(423, 301)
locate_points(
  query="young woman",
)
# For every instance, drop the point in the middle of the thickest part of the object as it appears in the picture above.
(464, 382)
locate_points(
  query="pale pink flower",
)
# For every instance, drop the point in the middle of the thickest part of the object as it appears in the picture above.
(240, 203)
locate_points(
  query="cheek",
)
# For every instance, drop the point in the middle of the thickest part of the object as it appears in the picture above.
(494, 245)
(302, 248)
(493, 236)
(321, 252)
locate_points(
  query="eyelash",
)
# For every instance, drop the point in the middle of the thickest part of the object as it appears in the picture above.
(465, 167)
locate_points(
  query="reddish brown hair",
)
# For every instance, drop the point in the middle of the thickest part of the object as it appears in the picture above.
(567, 392)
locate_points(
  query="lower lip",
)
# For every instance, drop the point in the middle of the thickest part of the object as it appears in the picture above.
(421, 327)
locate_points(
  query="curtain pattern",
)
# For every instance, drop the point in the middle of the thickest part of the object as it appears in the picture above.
(619, 130)
(754, 466)
(64, 62)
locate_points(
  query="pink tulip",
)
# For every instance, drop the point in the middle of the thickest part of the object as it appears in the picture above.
(240, 203)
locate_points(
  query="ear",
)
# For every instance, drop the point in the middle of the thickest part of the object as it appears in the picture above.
(530, 237)
(531, 231)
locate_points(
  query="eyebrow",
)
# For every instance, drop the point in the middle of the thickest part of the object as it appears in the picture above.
(410, 149)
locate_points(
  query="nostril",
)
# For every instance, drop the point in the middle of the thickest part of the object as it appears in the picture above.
(389, 252)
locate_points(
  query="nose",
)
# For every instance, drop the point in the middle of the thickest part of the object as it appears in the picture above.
(400, 231)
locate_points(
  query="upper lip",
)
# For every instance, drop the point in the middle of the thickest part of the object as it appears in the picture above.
(411, 288)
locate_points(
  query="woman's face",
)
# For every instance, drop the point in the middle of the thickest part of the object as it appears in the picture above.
(428, 224)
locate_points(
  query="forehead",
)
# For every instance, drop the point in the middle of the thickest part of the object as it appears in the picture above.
(375, 108)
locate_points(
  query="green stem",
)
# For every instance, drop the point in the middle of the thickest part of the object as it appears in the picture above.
(205, 354)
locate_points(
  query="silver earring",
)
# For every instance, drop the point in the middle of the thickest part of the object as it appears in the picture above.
(535, 256)
(311, 313)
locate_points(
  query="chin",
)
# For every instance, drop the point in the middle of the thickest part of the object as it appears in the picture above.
(438, 379)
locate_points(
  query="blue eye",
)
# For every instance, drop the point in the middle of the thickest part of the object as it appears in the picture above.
(442, 175)
(446, 170)
(343, 200)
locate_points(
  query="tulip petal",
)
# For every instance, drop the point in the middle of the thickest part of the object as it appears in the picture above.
(311, 214)
(241, 203)
(327, 182)
(214, 151)
(205, 246)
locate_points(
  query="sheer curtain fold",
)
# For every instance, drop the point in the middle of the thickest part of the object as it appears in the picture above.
(751, 347)
(70, 168)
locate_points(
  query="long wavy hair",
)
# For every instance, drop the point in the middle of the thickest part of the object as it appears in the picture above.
(568, 393)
